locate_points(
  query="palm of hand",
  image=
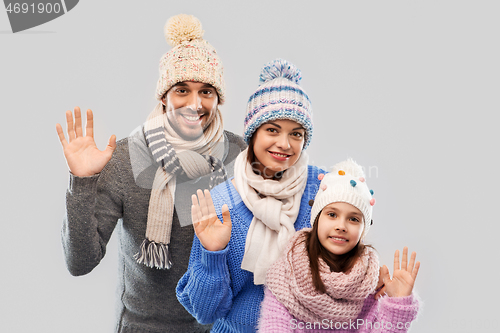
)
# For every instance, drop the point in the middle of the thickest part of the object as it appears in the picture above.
(403, 279)
(81, 153)
(212, 233)
(401, 284)
(84, 158)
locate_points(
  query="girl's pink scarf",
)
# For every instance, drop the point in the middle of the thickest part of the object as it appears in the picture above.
(290, 280)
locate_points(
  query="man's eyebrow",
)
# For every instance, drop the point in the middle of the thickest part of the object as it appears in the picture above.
(206, 85)
(183, 84)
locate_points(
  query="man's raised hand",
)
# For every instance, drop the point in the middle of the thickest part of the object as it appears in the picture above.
(81, 153)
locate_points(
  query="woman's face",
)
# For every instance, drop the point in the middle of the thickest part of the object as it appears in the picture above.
(340, 226)
(277, 146)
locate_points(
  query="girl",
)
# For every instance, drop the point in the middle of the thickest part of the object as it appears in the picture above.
(268, 201)
(326, 278)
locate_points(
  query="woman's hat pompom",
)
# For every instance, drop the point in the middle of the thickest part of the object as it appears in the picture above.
(182, 28)
(280, 68)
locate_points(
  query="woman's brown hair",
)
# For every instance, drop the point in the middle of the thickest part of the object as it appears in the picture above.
(337, 263)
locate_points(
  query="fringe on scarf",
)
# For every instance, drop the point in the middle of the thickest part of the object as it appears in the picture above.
(154, 255)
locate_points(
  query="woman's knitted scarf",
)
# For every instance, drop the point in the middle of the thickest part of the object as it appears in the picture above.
(290, 280)
(275, 205)
(176, 156)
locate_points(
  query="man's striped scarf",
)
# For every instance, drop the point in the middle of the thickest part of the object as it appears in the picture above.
(176, 157)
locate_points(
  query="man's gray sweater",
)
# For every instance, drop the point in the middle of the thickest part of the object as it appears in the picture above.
(120, 194)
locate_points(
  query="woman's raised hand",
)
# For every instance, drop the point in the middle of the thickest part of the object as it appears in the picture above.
(403, 278)
(81, 153)
(212, 233)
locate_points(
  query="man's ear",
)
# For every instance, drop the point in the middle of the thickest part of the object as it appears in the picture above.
(163, 101)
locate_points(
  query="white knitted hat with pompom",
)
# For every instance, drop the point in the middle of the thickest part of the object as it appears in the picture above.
(345, 183)
(191, 57)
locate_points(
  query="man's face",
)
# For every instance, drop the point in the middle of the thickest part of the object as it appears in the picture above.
(190, 108)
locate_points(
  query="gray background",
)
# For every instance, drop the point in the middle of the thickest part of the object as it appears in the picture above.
(406, 88)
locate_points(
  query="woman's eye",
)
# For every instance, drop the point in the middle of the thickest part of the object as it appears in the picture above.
(272, 130)
(297, 134)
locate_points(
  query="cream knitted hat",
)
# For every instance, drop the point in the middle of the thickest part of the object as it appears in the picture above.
(346, 183)
(191, 58)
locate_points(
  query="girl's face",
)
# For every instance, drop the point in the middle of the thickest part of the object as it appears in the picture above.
(340, 226)
(277, 146)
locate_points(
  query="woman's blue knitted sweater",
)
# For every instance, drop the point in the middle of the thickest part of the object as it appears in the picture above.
(215, 288)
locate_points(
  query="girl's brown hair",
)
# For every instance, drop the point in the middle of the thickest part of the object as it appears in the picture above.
(337, 263)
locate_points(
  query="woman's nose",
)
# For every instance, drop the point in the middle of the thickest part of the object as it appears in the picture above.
(283, 142)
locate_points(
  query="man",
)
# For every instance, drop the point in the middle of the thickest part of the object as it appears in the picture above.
(145, 183)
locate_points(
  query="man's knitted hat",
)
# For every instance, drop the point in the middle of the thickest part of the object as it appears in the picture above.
(190, 59)
(279, 96)
(346, 183)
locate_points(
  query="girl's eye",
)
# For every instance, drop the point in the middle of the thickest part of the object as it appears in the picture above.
(332, 214)
(297, 134)
(272, 130)
(354, 219)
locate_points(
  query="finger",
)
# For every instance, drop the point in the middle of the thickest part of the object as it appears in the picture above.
(78, 122)
(60, 133)
(396, 260)
(89, 128)
(69, 126)
(197, 212)
(111, 144)
(386, 277)
(210, 203)
(412, 262)
(404, 261)
(226, 216)
(415, 271)
(194, 217)
(203, 203)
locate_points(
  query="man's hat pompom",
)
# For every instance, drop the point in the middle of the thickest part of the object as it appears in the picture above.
(182, 28)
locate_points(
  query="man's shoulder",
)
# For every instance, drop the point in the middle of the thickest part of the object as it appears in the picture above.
(236, 139)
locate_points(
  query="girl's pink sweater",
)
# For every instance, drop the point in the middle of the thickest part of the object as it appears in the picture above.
(388, 314)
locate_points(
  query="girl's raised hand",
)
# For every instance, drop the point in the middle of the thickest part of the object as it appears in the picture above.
(403, 278)
(81, 153)
(212, 233)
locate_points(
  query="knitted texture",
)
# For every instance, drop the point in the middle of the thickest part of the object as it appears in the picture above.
(386, 315)
(279, 97)
(195, 159)
(145, 297)
(345, 183)
(275, 204)
(290, 280)
(215, 288)
(190, 59)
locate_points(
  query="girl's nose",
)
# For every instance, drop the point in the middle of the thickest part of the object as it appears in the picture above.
(340, 225)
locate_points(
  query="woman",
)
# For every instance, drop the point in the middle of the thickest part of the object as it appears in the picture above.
(262, 207)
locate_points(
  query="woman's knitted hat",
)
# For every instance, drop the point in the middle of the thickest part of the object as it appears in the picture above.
(346, 183)
(190, 59)
(279, 96)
